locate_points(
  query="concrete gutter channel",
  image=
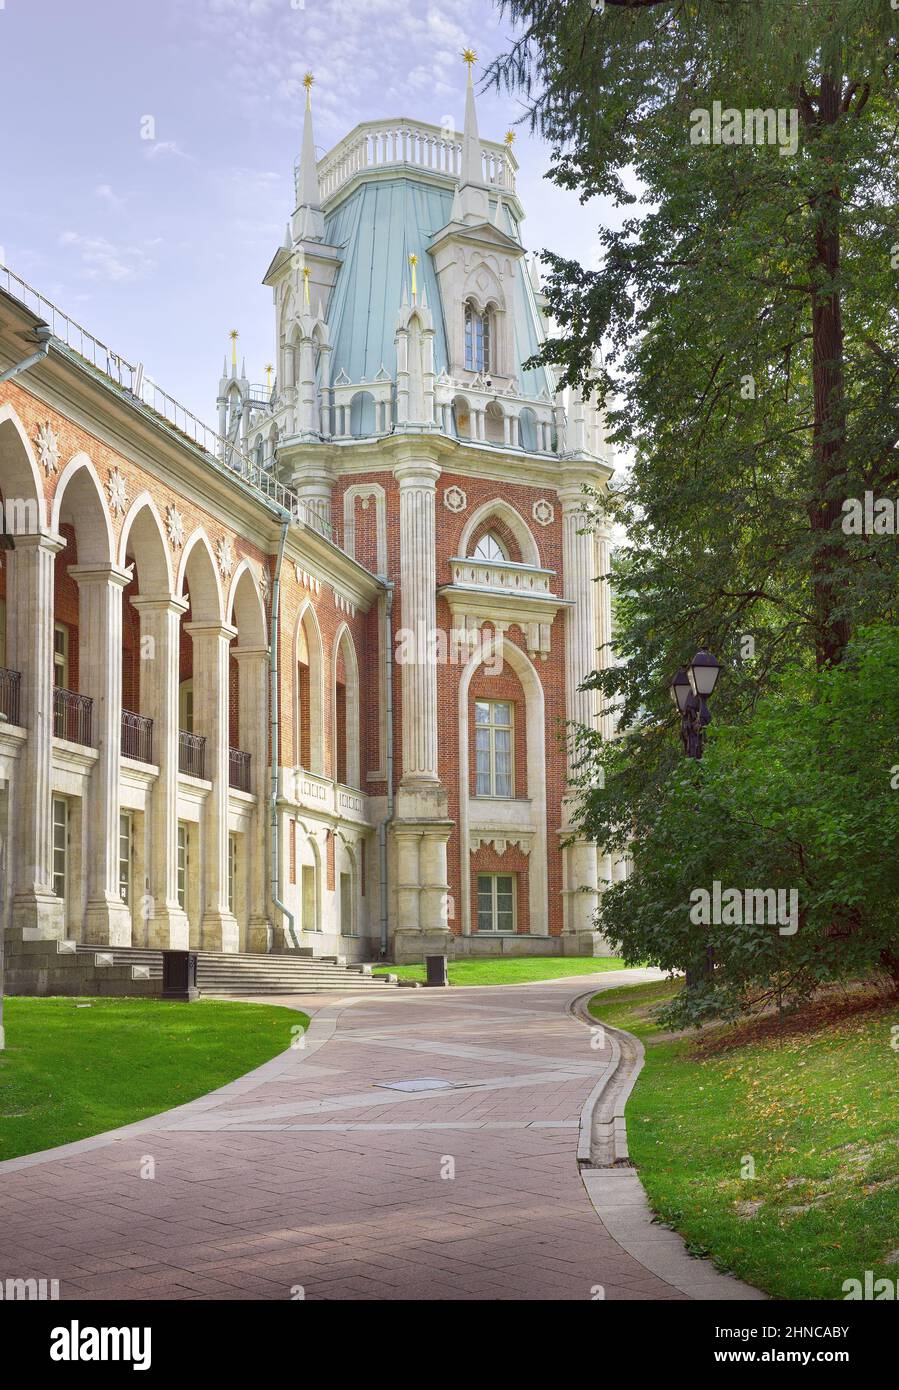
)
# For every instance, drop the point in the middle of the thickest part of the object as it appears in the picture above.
(613, 1184)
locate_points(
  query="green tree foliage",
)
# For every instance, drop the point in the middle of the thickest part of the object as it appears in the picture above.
(747, 312)
(803, 797)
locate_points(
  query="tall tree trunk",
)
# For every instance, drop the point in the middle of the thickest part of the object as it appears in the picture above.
(829, 435)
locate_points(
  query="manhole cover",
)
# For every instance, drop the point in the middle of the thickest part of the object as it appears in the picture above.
(418, 1083)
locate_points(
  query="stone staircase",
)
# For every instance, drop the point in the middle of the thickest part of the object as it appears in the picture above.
(220, 973)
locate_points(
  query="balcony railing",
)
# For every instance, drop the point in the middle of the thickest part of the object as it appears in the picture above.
(501, 574)
(72, 716)
(10, 683)
(137, 736)
(239, 769)
(191, 754)
(378, 143)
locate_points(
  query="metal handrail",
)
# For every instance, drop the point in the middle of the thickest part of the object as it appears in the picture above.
(72, 716)
(10, 690)
(191, 754)
(239, 769)
(137, 736)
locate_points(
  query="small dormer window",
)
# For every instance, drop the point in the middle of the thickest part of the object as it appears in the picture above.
(489, 547)
(477, 339)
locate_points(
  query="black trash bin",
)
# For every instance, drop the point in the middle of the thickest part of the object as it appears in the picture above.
(179, 976)
(435, 971)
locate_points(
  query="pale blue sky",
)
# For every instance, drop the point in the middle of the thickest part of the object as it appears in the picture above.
(159, 246)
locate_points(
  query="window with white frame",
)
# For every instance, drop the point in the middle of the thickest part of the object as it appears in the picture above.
(126, 840)
(477, 339)
(493, 748)
(232, 872)
(490, 547)
(61, 656)
(186, 706)
(496, 902)
(60, 828)
(182, 865)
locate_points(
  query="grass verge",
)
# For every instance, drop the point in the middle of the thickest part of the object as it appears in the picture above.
(69, 1072)
(809, 1106)
(514, 970)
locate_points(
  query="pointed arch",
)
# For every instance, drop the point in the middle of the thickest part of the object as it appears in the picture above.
(345, 707)
(20, 479)
(504, 512)
(245, 608)
(198, 576)
(491, 651)
(80, 501)
(309, 692)
(143, 538)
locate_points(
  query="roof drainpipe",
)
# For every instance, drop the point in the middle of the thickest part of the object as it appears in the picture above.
(382, 828)
(276, 766)
(43, 333)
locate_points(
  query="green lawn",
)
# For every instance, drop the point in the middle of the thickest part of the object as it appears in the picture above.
(70, 1072)
(814, 1104)
(513, 970)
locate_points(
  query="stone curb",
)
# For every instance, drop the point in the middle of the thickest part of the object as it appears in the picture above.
(618, 1196)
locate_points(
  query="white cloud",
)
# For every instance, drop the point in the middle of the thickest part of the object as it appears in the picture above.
(161, 149)
(101, 259)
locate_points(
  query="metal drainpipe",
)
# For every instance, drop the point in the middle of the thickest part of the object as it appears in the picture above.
(43, 333)
(273, 715)
(382, 828)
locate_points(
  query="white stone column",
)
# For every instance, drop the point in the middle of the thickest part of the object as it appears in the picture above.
(418, 598)
(211, 648)
(579, 565)
(107, 920)
(604, 621)
(160, 630)
(253, 697)
(29, 644)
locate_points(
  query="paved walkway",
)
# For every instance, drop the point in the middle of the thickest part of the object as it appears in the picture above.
(311, 1174)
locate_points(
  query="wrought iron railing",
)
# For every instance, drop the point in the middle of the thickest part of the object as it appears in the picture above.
(10, 685)
(147, 393)
(191, 754)
(137, 736)
(239, 769)
(72, 716)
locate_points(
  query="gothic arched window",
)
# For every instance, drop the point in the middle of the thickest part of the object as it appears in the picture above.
(477, 339)
(490, 547)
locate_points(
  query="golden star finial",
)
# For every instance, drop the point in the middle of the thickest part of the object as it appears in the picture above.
(234, 335)
(413, 261)
(308, 80)
(510, 138)
(470, 57)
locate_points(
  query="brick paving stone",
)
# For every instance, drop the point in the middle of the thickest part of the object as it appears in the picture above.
(296, 1197)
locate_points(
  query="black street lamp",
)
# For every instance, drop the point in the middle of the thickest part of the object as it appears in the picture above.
(689, 690)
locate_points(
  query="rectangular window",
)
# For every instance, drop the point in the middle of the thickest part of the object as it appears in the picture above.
(308, 876)
(61, 656)
(126, 830)
(346, 905)
(186, 706)
(182, 865)
(493, 748)
(496, 902)
(232, 871)
(60, 846)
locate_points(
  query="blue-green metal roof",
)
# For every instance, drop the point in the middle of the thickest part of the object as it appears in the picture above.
(378, 227)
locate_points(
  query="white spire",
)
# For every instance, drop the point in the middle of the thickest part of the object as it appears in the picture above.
(308, 222)
(473, 199)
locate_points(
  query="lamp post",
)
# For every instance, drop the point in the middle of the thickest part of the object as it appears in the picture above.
(690, 690)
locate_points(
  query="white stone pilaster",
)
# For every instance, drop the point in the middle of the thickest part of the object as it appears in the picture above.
(253, 698)
(160, 619)
(29, 644)
(418, 596)
(211, 649)
(107, 920)
(579, 564)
